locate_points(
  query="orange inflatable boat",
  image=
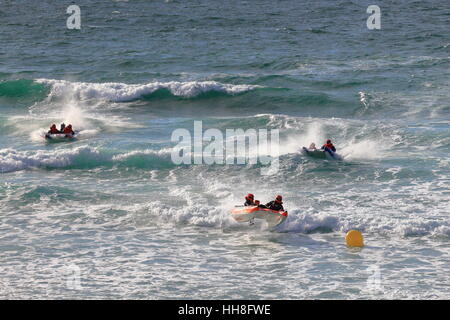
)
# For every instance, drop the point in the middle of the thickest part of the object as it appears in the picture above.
(246, 214)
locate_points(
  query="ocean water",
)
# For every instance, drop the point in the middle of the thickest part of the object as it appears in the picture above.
(111, 216)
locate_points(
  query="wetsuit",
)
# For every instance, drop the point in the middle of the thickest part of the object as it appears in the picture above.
(249, 203)
(273, 205)
(53, 130)
(68, 130)
(328, 146)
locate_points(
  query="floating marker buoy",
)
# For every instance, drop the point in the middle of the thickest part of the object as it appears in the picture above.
(354, 238)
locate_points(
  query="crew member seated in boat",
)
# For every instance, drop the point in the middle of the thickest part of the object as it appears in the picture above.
(53, 129)
(328, 146)
(68, 130)
(259, 205)
(249, 200)
(312, 146)
(63, 126)
(276, 204)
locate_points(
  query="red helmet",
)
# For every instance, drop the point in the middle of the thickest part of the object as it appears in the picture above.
(278, 198)
(249, 196)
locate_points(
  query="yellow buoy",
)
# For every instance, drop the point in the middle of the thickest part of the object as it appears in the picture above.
(354, 238)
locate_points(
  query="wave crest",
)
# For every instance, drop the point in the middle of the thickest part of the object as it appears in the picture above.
(121, 92)
(81, 157)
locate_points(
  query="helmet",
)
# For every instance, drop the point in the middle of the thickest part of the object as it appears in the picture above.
(279, 198)
(249, 196)
(257, 202)
(328, 141)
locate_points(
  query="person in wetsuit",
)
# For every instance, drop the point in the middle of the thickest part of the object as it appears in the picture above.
(68, 130)
(328, 146)
(276, 204)
(53, 129)
(249, 200)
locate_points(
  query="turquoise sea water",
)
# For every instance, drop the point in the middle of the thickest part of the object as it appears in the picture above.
(112, 209)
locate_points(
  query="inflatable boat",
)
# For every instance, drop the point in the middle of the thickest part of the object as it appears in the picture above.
(247, 214)
(57, 137)
(321, 154)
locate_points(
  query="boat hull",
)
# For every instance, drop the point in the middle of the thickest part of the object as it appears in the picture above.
(246, 214)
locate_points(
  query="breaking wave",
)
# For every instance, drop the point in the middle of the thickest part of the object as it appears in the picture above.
(121, 92)
(82, 157)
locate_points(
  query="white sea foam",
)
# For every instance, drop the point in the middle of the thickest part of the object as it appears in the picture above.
(194, 215)
(309, 222)
(121, 92)
(13, 160)
(364, 149)
(166, 152)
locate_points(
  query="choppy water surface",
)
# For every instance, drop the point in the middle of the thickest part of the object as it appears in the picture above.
(112, 207)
